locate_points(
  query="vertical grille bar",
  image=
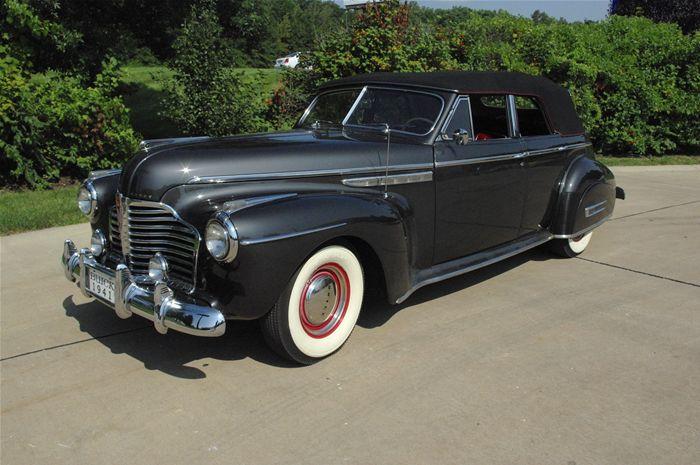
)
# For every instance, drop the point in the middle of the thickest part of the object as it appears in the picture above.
(149, 227)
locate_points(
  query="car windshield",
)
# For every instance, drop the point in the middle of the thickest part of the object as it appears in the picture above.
(330, 108)
(403, 110)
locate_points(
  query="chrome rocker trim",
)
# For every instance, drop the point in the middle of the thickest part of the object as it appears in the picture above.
(158, 305)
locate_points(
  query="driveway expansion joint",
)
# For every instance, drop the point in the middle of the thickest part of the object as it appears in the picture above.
(652, 275)
(654, 210)
(31, 352)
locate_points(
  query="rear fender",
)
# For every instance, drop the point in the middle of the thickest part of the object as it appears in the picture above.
(586, 197)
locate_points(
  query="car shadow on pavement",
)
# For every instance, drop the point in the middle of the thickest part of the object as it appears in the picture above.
(173, 353)
(176, 354)
(379, 311)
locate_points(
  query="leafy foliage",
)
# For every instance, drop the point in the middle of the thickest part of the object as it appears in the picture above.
(207, 97)
(634, 82)
(58, 126)
(686, 13)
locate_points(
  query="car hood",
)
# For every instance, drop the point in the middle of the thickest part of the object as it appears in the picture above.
(163, 164)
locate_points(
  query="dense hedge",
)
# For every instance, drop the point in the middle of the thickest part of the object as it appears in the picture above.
(58, 126)
(635, 83)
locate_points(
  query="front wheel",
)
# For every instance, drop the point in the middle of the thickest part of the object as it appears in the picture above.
(571, 247)
(318, 310)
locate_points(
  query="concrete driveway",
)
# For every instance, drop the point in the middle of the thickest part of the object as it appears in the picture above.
(534, 360)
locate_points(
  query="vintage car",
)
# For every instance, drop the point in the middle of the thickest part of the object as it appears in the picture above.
(389, 181)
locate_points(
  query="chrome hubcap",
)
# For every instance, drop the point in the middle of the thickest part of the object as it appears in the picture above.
(324, 300)
(320, 299)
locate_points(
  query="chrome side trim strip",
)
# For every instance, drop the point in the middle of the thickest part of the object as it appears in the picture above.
(233, 206)
(98, 174)
(306, 174)
(560, 148)
(280, 237)
(510, 156)
(471, 161)
(466, 269)
(594, 209)
(372, 181)
(583, 231)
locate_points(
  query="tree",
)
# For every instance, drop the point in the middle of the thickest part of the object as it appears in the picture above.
(207, 96)
(685, 13)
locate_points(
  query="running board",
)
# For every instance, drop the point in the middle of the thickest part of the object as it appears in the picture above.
(473, 262)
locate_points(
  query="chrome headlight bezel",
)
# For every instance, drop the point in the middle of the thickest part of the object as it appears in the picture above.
(88, 195)
(227, 232)
(98, 243)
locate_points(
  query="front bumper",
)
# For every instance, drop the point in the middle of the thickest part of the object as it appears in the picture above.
(155, 302)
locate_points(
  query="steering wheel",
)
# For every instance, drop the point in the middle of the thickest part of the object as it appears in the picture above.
(418, 119)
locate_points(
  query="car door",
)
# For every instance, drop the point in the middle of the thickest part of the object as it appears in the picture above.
(479, 184)
(544, 164)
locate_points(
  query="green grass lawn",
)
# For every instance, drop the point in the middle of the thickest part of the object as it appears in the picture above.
(650, 161)
(28, 210)
(143, 94)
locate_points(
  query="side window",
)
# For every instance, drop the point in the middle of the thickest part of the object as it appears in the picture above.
(531, 119)
(460, 118)
(490, 117)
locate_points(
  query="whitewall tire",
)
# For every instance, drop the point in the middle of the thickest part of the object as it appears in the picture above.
(318, 310)
(571, 247)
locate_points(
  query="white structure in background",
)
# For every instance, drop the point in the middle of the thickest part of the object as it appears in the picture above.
(288, 61)
(352, 4)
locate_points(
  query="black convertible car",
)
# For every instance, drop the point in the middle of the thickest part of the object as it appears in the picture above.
(389, 180)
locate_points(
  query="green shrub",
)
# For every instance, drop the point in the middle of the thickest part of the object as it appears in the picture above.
(381, 37)
(635, 83)
(58, 127)
(206, 97)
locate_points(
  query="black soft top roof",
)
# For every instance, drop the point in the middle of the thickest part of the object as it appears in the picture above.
(554, 99)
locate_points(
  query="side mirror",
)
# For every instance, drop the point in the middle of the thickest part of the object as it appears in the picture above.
(461, 136)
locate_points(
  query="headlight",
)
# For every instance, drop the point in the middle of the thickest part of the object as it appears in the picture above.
(221, 238)
(98, 243)
(158, 267)
(87, 199)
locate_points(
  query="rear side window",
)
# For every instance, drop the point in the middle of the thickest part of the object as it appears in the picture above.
(531, 119)
(490, 117)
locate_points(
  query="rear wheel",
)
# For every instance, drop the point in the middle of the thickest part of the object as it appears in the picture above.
(570, 247)
(318, 310)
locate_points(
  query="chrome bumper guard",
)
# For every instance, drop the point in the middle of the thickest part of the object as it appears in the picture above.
(158, 305)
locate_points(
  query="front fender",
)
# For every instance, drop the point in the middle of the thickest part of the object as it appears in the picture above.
(278, 229)
(105, 183)
(586, 197)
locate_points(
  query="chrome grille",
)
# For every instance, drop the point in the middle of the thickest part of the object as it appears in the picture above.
(114, 236)
(150, 227)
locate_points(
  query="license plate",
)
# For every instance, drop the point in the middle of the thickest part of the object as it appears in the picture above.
(100, 285)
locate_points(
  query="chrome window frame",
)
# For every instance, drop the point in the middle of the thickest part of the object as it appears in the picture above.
(304, 115)
(362, 93)
(540, 107)
(513, 125)
(450, 115)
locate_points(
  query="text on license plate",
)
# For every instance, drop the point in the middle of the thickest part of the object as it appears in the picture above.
(101, 285)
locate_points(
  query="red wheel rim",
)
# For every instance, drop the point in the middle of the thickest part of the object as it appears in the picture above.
(327, 274)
